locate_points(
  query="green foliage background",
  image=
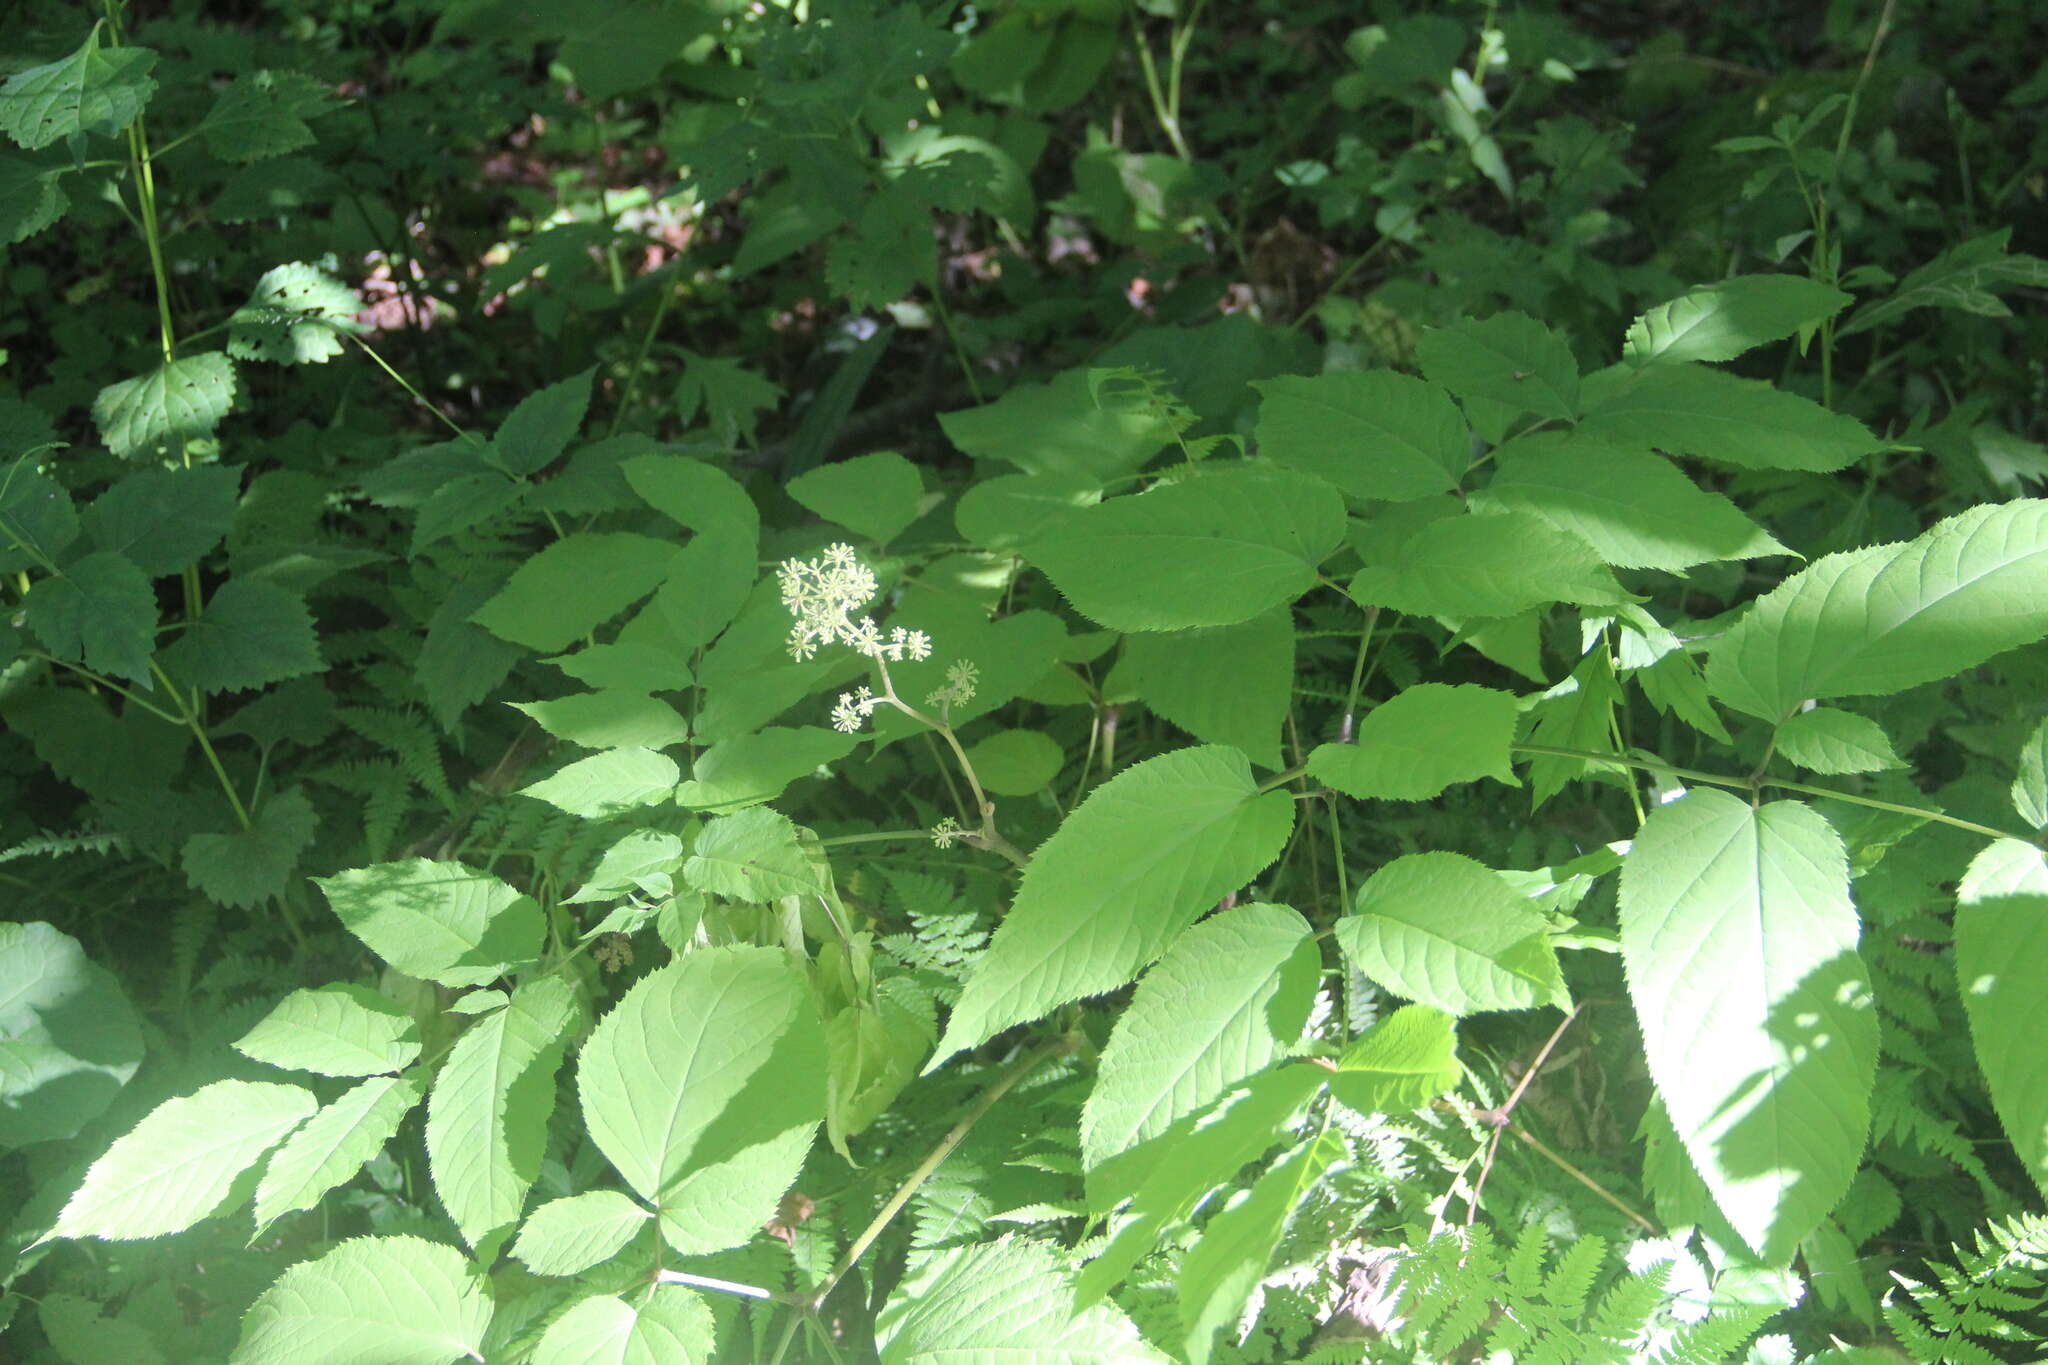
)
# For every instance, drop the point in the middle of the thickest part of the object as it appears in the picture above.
(1412, 730)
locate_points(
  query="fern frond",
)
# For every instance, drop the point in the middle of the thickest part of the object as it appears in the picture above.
(410, 739)
(63, 845)
(1996, 1292)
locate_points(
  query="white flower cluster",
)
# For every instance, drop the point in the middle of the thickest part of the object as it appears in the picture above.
(823, 593)
(945, 832)
(853, 708)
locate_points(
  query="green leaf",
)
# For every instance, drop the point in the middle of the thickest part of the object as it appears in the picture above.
(251, 634)
(263, 114)
(2030, 788)
(1450, 933)
(1374, 434)
(1967, 277)
(1736, 927)
(1056, 428)
(871, 495)
(722, 1203)
(1006, 1301)
(1403, 1062)
(88, 92)
(245, 868)
(1002, 513)
(163, 520)
(1692, 410)
(574, 586)
(181, 1162)
(293, 316)
(751, 768)
(1130, 867)
(1167, 1177)
(671, 1326)
(1016, 762)
(540, 428)
(1223, 1268)
(69, 1040)
(611, 719)
(1510, 359)
(36, 518)
(1635, 509)
(627, 668)
(644, 860)
(1879, 620)
(1829, 741)
(337, 1030)
(710, 1056)
(1487, 566)
(569, 1236)
(607, 784)
(714, 573)
(1222, 684)
(99, 610)
(487, 1118)
(79, 1335)
(1218, 548)
(392, 1300)
(2001, 935)
(1722, 320)
(1228, 998)
(333, 1145)
(31, 198)
(752, 856)
(439, 920)
(1429, 737)
(731, 396)
(179, 400)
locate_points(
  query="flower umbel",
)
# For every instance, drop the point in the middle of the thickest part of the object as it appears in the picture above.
(823, 593)
(961, 677)
(853, 708)
(945, 832)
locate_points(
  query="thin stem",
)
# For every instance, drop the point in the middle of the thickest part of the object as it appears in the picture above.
(403, 383)
(1749, 785)
(1575, 1173)
(953, 336)
(661, 304)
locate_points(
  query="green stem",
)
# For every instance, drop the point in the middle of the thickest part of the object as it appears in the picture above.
(190, 718)
(661, 304)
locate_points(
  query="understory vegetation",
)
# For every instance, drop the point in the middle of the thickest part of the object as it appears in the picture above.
(1058, 680)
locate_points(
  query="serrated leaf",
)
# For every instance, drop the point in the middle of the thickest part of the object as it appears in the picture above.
(292, 317)
(1374, 434)
(178, 1165)
(37, 518)
(630, 668)
(670, 1326)
(79, 1335)
(1222, 684)
(1225, 1001)
(487, 1118)
(162, 520)
(1693, 410)
(31, 199)
(1967, 277)
(89, 91)
(1736, 926)
(716, 571)
(611, 719)
(69, 1039)
(2030, 788)
(873, 495)
(1510, 359)
(610, 783)
(333, 1145)
(753, 856)
(1875, 621)
(724, 1031)
(252, 633)
(1213, 550)
(569, 1236)
(2001, 933)
(1005, 1300)
(1130, 867)
(574, 586)
(179, 400)
(1002, 513)
(755, 767)
(646, 859)
(1421, 741)
(263, 114)
(338, 1030)
(1829, 741)
(388, 1300)
(1487, 566)
(1223, 1268)
(99, 610)
(440, 920)
(1403, 1062)
(536, 432)
(1057, 428)
(723, 1202)
(1722, 320)
(1635, 509)
(1448, 932)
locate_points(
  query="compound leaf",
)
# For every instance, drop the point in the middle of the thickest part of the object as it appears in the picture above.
(333, 1145)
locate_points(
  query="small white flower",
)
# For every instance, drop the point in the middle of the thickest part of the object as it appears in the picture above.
(945, 832)
(961, 678)
(822, 594)
(853, 708)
